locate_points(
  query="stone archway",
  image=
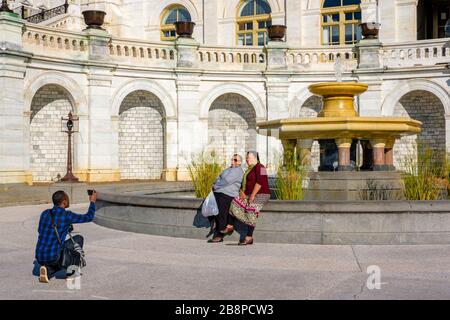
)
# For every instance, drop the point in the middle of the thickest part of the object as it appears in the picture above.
(48, 144)
(141, 137)
(231, 126)
(426, 107)
(310, 109)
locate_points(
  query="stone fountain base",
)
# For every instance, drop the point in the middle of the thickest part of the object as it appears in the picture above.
(354, 186)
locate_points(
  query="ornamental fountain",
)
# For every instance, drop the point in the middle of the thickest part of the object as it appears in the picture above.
(341, 133)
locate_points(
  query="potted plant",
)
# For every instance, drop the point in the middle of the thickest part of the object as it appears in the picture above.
(370, 30)
(277, 32)
(184, 29)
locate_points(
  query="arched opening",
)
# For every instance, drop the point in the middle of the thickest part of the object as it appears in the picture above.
(426, 107)
(171, 15)
(141, 137)
(340, 22)
(433, 19)
(48, 143)
(310, 109)
(253, 19)
(231, 126)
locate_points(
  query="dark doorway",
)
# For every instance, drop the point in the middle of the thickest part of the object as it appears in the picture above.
(432, 16)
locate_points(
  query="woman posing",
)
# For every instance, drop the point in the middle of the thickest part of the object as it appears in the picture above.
(254, 194)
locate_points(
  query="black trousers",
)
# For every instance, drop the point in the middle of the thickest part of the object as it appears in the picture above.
(232, 221)
(223, 203)
(55, 266)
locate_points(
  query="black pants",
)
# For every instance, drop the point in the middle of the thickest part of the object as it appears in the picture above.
(232, 221)
(55, 266)
(223, 203)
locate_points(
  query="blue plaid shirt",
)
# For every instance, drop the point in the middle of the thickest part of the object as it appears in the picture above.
(48, 247)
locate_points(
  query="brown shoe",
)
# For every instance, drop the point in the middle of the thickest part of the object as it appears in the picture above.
(246, 242)
(43, 276)
(228, 230)
(215, 240)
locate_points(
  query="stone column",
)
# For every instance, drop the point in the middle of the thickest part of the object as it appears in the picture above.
(187, 49)
(276, 55)
(277, 88)
(14, 116)
(379, 160)
(370, 71)
(344, 146)
(103, 164)
(406, 20)
(389, 154)
(192, 131)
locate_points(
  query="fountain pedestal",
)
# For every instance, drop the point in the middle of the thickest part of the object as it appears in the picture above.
(337, 128)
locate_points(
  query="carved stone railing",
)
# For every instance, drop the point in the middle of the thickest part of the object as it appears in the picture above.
(53, 42)
(59, 43)
(143, 52)
(321, 58)
(231, 58)
(417, 53)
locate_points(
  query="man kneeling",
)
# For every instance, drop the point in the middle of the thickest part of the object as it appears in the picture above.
(52, 249)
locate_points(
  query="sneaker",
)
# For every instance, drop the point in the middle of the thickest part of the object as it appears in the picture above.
(43, 276)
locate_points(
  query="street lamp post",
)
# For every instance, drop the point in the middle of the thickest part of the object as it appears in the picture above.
(68, 126)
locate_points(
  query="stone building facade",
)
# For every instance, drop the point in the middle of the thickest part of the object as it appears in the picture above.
(145, 103)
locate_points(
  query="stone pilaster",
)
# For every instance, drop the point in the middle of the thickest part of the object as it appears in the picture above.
(103, 164)
(276, 55)
(406, 20)
(192, 131)
(277, 88)
(14, 140)
(187, 50)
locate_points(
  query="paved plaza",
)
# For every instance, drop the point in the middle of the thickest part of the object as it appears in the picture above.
(133, 266)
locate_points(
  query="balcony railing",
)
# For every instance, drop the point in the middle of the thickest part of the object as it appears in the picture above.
(59, 43)
(48, 14)
(417, 53)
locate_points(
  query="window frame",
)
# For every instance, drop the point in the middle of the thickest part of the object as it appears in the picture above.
(254, 20)
(163, 27)
(342, 23)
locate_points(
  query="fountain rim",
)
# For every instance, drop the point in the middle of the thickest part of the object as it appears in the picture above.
(338, 89)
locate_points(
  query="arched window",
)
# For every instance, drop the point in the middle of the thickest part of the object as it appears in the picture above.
(252, 22)
(340, 22)
(171, 15)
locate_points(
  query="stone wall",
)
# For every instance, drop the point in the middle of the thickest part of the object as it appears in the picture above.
(48, 144)
(310, 109)
(231, 126)
(141, 137)
(427, 108)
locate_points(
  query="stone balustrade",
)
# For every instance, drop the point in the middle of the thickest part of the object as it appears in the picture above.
(232, 58)
(417, 53)
(321, 58)
(143, 52)
(54, 42)
(62, 43)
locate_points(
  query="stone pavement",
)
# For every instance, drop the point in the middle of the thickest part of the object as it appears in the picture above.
(133, 266)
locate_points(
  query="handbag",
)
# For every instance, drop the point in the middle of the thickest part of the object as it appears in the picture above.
(69, 256)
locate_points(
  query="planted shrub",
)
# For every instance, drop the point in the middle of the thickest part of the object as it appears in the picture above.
(204, 168)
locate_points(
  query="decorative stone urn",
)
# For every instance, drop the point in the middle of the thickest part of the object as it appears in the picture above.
(184, 29)
(94, 19)
(370, 30)
(277, 32)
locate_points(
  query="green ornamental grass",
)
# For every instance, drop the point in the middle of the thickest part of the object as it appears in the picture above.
(204, 168)
(290, 175)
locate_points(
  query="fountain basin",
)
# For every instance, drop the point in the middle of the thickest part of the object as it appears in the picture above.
(305, 222)
(340, 127)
